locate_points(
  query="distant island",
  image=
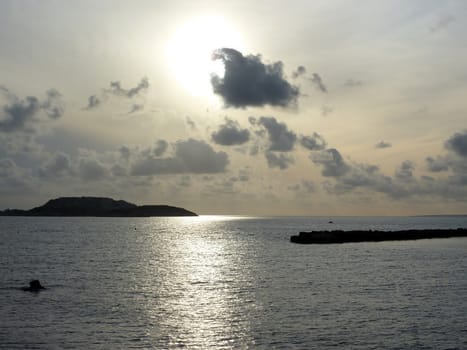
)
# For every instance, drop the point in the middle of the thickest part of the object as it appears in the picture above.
(97, 206)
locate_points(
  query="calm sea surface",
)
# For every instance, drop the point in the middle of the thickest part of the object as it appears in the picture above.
(228, 282)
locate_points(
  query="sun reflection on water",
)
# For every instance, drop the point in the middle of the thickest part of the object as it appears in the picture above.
(200, 279)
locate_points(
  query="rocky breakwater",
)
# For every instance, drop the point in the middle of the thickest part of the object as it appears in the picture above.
(328, 237)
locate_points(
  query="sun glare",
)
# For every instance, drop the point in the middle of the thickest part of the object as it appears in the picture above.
(190, 48)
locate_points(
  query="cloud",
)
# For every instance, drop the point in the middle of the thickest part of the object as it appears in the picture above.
(58, 166)
(249, 82)
(53, 105)
(383, 144)
(230, 133)
(458, 143)
(405, 171)
(117, 90)
(281, 139)
(191, 156)
(318, 82)
(13, 179)
(437, 164)
(298, 72)
(332, 162)
(19, 115)
(314, 142)
(135, 108)
(281, 160)
(93, 102)
(161, 147)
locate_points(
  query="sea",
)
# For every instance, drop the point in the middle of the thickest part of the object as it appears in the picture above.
(229, 282)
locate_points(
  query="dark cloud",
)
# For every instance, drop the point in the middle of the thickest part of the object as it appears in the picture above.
(383, 144)
(442, 22)
(19, 115)
(117, 90)
(298, 72)
(249, 82)
(191, 156)
(304, 187)
(230, 133)
(458, 143)
(318, 82)
(314, 142)
(161, 147)
(437, 164)
(278, 160)
(281, 139)
(332, 162)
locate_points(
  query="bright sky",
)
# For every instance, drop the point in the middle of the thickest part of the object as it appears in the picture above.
(236, 107)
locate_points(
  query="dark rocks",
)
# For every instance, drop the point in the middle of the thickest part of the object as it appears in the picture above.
(34, 286)
(328, 237)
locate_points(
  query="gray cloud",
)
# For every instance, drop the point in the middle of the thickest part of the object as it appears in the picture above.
(298, 72)
(116, 88)
(281, 139)
(90, 169)
(230, 133)
(53, 105)
(135, 108)
(281, 160)
(314, 142)
(58, 166)
(405, 171)
(249, 82)
(437, 164)
(191, 156)
(458, 143)
(318, 82)
(383, 144)
(332, 162)
(161, 147)
(19, 115)
(93, 102)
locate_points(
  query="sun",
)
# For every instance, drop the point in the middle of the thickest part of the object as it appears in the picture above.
(190, 48)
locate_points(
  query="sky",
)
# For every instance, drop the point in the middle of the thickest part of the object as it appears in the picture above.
(330, 107)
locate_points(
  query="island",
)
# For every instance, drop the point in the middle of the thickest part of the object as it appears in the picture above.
(337, 236)
(98, 207)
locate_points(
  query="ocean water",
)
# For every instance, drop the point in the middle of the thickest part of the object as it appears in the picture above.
(228, 283)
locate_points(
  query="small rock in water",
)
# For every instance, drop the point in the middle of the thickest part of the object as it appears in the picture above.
(34, 286)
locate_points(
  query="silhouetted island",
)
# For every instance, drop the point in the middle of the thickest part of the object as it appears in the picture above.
(328, 237)
(97, 206)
